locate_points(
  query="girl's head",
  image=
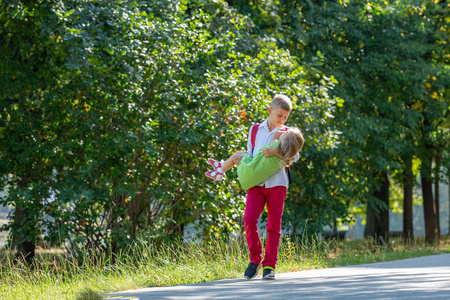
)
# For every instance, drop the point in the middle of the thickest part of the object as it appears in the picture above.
(291, 142)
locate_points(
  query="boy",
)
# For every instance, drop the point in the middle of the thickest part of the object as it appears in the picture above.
(271, 192)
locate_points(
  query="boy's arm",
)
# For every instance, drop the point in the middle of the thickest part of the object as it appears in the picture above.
(233, 160)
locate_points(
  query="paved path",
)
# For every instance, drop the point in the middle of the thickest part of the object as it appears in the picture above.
(416, 278)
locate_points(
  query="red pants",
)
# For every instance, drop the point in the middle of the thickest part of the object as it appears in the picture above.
(257, 198)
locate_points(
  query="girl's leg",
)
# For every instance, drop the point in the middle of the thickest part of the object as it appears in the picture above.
(222, 167)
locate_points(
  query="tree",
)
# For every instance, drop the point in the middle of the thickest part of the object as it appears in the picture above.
(132, 99)
(29, 71)
(376, 51)
(321, 179)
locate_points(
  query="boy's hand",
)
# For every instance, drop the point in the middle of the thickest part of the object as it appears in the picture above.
(236, 160)
(237, 157)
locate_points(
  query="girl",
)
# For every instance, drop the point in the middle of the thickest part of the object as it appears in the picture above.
(253, 170)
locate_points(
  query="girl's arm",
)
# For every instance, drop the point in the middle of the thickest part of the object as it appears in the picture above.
(268, 152)
(277, 135)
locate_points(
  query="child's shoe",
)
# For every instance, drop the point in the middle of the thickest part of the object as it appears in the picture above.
(214, 163)
(268, 273)
(216, 175)
(252, 270)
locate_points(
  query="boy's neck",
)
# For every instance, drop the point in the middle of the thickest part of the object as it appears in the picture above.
(271, 127)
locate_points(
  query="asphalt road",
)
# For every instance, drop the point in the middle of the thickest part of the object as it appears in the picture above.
(425, 277)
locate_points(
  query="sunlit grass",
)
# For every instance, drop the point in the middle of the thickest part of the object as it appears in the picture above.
(145, 265)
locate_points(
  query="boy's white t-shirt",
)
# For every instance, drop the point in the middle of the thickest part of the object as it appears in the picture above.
(263, 136)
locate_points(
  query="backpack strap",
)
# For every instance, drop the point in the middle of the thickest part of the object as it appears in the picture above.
(288, 169)
(253, 137)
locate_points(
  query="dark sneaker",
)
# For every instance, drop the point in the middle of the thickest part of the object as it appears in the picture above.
(252, 270)
(268, 273)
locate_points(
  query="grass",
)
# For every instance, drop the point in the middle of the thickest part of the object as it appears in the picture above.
(56, 277)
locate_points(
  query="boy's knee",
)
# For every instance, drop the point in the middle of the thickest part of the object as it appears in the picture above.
(274, 230)
(250, 220)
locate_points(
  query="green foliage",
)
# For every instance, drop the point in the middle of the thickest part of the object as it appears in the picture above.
(28, 71)
(132, 99)
(389, 65)
(109, 109)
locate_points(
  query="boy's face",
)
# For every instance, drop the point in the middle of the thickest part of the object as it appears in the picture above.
(278, 116)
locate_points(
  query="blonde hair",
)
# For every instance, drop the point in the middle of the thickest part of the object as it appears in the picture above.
(290, 145)
(281, 101)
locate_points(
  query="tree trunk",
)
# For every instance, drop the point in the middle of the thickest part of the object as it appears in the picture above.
(175, 226)
(377, 224)
(436, 192)
(429, 210)
(369, 229)
(23, 243)
(383, 217)
(25, 248)
(408, 184)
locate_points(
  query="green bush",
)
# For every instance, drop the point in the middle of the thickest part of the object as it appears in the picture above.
(118, 106)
